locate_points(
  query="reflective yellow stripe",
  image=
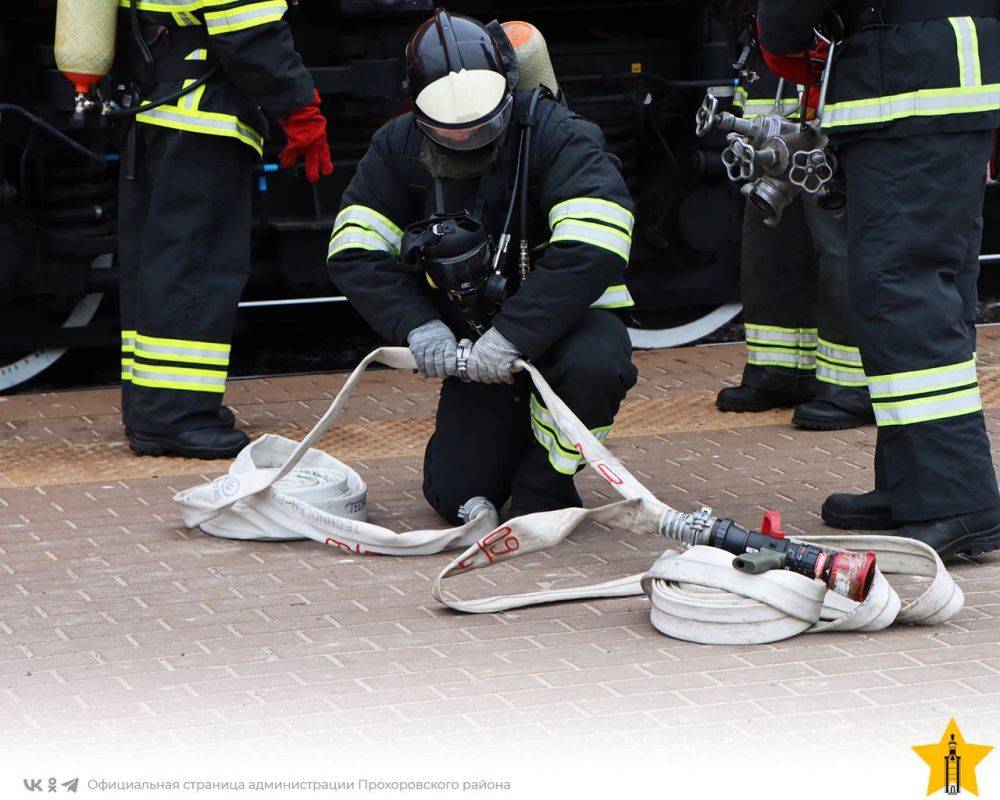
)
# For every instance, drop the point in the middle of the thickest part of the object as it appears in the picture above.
(563, 456)
(207, 122)
(921, 103)
(604, 236)
(593, 209)
(354, 238)
(617, 296)
(371, 220)
(193, 352)
(127, 369)
(781, 357)
(928, 409)
(772, 334)
(182, 378)
(173, 6)
(851, 377)
(967, 42)
(924, 381)
(244, 17)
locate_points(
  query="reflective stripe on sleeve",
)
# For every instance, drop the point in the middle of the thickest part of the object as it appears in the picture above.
(194, 352)
(838, 353)
(355, 238)
(593, 209)
(928, 409)
(924, 381)
(243, 17)
(615, 297)
(371, 220)
(180, 378)
(604, 236)
(921, 103)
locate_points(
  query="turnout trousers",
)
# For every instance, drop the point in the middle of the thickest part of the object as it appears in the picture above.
(499, 441)
(915, 225)
(184, 254)
(796, 307)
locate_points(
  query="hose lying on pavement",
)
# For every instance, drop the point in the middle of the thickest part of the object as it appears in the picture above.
(278, 489)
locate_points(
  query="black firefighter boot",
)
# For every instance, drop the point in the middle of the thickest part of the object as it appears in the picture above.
(216, 441)
(859, 512)
(969, 534)
(836, 408)
(748, 399)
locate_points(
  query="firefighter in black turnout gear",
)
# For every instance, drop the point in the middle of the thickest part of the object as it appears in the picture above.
(913, 108)
(185, 191)
(421, 249)
(796, 306)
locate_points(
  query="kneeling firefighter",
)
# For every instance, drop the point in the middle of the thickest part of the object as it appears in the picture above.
(205, 73)
(422, 247)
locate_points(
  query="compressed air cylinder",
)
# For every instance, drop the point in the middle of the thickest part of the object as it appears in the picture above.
(534, 64)
(85, 40)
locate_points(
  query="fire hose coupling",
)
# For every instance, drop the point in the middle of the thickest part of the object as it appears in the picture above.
(474, 508)
(843, 572)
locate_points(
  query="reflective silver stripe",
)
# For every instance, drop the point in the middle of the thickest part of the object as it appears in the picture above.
(603, 236)
(922, 381)
(561, 453)
(921, 103)
(595, 209)
(203, 122)
(159, 351)
(244, 17)
(352, 238)
(369, 218)
(178, 378)
(840, 353)
(792, 359)
(800, 337)
(557, 458)
(967, 38)
(928, 409)
(615, 297)
(841, 376)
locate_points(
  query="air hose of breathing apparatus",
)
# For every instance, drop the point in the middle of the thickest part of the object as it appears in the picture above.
(458, 256)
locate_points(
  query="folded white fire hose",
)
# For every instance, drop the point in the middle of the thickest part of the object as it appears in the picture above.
(278, 489)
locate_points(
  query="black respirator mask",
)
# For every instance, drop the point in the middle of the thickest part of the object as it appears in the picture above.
(458, 258)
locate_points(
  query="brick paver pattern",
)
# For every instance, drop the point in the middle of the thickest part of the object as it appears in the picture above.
(120, 630)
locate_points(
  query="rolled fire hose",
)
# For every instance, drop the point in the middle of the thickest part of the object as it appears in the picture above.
(278, 489)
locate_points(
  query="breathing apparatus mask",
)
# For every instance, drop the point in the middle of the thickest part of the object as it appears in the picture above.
(458, 257)
(775, 158)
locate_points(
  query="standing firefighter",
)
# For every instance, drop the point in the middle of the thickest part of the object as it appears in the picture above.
(913, 108)
(420, 248)
(800, 347)
(184, 223)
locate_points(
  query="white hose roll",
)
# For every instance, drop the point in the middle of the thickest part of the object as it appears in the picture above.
(280, 489)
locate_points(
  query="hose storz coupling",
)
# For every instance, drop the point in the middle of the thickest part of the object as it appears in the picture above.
(462, 360)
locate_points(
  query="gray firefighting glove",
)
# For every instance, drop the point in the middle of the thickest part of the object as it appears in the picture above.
(434, 348)
(492, 359)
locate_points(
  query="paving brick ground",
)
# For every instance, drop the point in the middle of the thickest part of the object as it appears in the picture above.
(122, 631)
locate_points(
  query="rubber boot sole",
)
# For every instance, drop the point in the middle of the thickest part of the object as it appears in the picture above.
(859, 522)
(755, 408)
(811, 424)
(974, 544)
(156, 448)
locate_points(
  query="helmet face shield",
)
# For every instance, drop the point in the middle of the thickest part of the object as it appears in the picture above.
(470, 136)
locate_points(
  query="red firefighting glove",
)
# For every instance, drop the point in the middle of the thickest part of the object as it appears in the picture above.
(804, 68)
(305, 130)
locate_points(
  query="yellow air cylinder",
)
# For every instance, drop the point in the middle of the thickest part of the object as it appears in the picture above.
(85, 40)
(534, 64)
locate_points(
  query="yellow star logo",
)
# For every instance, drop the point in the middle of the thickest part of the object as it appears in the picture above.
(952, 761)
